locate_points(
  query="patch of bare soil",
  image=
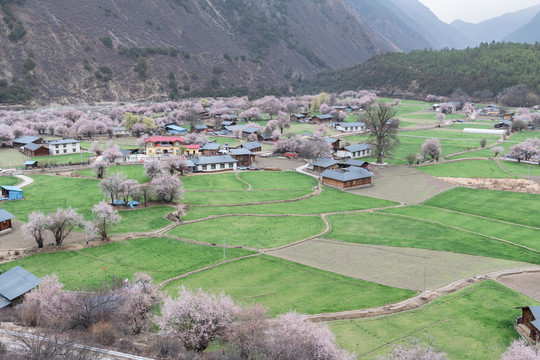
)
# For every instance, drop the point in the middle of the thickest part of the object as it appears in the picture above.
(518, 185)
(527, 283)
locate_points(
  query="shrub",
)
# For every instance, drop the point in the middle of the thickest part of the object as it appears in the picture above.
(107, 41)
(104, 333)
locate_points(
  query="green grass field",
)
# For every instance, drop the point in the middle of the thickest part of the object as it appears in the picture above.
(474, 323)
(9, 180)
(283, 286)
(329, 200)
(131, 171)
(12, 157)
(142, 219)
(509, 206)
(240, 197)
(224, 181)
(514, 233)
(382, 229)
(251, 231)
(433, 116)
(521, 169)
(466, 169)
(161, 258)
(278, 180)
(64, 159)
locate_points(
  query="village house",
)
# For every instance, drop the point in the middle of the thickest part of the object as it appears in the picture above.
(352, 126)
(214, 163)
(323, 164)
(199, 128)
(346, 179)
(243, 156)
(298, 117)
(175, 129)
(530, 320)
(164, 145)
(253, 146)
(339, 108)
(66, 146)
(356, 163)
(509, 116)
(35, 150)
(30, 164)
(120, 131)
(334, 142)
(354, 151)
(23, 140)
(5, 221)
(14, 283)
(11, 193)
(320, 119)
(226, 123)
(193, 150)
(249, 130)
(210, 149)
(505, 125)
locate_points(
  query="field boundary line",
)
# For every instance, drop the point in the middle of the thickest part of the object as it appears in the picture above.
(460, 229)
(481, 217)
(417, 301)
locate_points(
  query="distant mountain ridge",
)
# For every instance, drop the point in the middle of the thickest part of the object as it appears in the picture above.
(529, 32)
(499, 28)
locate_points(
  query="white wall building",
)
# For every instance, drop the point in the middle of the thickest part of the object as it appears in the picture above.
(66, 146)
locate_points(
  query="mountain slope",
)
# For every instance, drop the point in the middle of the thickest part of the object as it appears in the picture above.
(118, 50)
(498, 28)
(422, 20)
(529, 33)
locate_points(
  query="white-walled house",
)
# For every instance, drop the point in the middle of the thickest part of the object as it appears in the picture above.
(352, 126)
(214, 163)
(66, 146)
(354, 151)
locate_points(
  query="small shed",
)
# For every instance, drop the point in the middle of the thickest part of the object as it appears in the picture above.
(14, 283)
(5, 220)
(12, 192)
(31, 164)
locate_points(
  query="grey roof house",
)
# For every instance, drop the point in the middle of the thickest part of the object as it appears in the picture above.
(14, 283)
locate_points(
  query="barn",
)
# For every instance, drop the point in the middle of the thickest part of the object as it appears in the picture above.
(11, 193)
(5, 220)
(35, 150)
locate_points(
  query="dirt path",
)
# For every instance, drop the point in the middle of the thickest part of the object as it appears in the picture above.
(25, 180)
(250, 187)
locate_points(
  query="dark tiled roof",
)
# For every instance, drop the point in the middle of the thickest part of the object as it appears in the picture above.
(252, 145)
(241, 151)
(250, 129)
(211, 146)
(353, 162)
(26, 139)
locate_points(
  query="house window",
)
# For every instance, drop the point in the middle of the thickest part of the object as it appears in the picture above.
(214, 167)
(347, 183)
(58, 151)
(65, 151)
(65, 145)
(223, 166)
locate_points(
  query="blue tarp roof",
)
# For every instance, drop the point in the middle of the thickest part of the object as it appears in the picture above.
(30, 162)
(11, 188)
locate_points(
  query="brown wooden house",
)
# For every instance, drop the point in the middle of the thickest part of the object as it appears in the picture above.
(210, 149)
(253, 146)
(35, 150)
(530, 318)
(243, 156)
(321, 119)
(323, 164)
(5, 220)
(352, 177)
(336, 143)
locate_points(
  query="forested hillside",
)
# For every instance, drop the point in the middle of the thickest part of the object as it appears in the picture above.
(489, 68)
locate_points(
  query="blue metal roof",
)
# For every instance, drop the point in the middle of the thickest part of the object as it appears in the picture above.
(11, 188)
(5, 215)
(30, 162)
(209, 160)
(65, 141)
(16, 282)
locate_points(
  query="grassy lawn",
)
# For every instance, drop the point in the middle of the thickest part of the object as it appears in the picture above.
(433, 116)
(63, 159)
(224, 181)
(47, 193)
(13, 157)
(521, 169)
(300, 128)
(9, 180)
(131, 171)
(142, 219)
(256, 232)
(473, 323)
(283, 285)
(466, 169)
(161, 258)
(514, 233)
(123, 142)
(233, 142)
(382, 229)
(240, 197)
(523, 135)
(450, 133)
(329, 200)
(278, 180)
(514, 207)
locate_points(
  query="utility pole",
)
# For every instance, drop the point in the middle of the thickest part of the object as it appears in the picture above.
(224, 248)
